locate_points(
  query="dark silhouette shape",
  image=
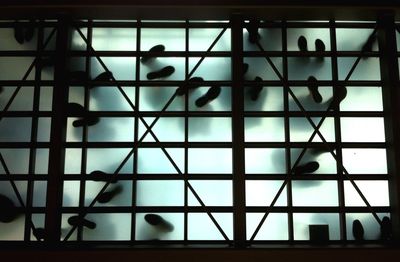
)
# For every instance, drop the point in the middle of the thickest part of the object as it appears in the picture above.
(252, 28)
(302, 44)
(367, 47)
(358, 230)
(164, 72)
(77, 110)
(107, 196)
(80, 221)
(80, 76)
(245, 68)
(339, 94)
(386, 228)
(158, 221)
(211, 94)
(47, 61)
(309, 167)
(103, 177)
(29, 31)
(256, 89)
(313, 88)
(192, 83)
(150, 54)
(24, 33)
(8, 211)
(319, 47)
(105, 76)
(39, 233)
(319, 234)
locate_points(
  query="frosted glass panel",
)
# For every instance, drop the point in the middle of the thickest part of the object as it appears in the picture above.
(315, 193)
(17, 160)
(311, 34)
(270, 40)
(212, 68)
(327, 163)
(155, 65)
(301, 221)
(112, 226)
(365, 161)
(376, 193)
(363, 99)
(14, 230)
(77, 42)
(15, 129)
(201, 226)
(145, 231)
(43, 132)
(211, 192)
(306, 100)
(109, 98)
(166, 129)
(275, 227)
(372, 229)
(121, 39)
(210, 160)
(154, 160)
(261, 193)
(23, 100)
(365, 129)
(367, 69)
(46, 98)
(72, 161)
(259, 66)
(122, 190)
(210, 129)
(39, 194)
(172, 39)
(8, 191)
(107, 160)
(201, 39)
(353, 40)
(160, 193)
(42, 161)
(71, 193)
(270, 99)
(9, 43)
(14, 68)
(265, 129)
(301, 69)
(221, 103)
(154, 98)
(301, 129)
(122, 68)
(262, 160)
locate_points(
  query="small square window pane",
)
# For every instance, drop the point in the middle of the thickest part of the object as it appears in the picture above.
(264, 129)
(160, 193)
(265, 161)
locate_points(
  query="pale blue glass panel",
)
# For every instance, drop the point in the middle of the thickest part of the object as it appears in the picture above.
(306, 100)
(172, 39)
(210, 129)
(72, 161)
(270, 99)
(301, 68)
(353, 39)
(46, 98)
(154, 98)
(114, 39)
(159, 63)
(275, 227)
(301, 222)
(44, 127)
(113, 226)
(166, 129)
(201, 226)
(221, 103)
(210, 160)
(38, 221)
(145, 231)
(372, 229)
(124, 198)
(76, 94)
(376, 192)
(7, 190)
(311, 34)
(211, 192)
(365, 160)
(71, 193)
(78, 42)
(112, 129)
(301, 129)
(155, 161)
(327, 163)
(261, 193)
(212, 68)
(14, 68)
(270, 40)
(108, 160)
(259, 66)
(13, 231)
(74, 134)
(201, 39)
(39, 194)
(17, 160)
(320, 193)
(363, 99)
(23, 101)
(362, 129)
(47, 73)
(122, 68)
(160, 193)
(366, 69)
(15, 129)
(109, 98)
(265, 129)
(9, 43)
(42, 161)
(263, 160)
(65, 228)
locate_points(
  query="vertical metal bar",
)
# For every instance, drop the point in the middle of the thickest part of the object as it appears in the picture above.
(238, 145)
(391, 97)
(57, 136)
(186, 163)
